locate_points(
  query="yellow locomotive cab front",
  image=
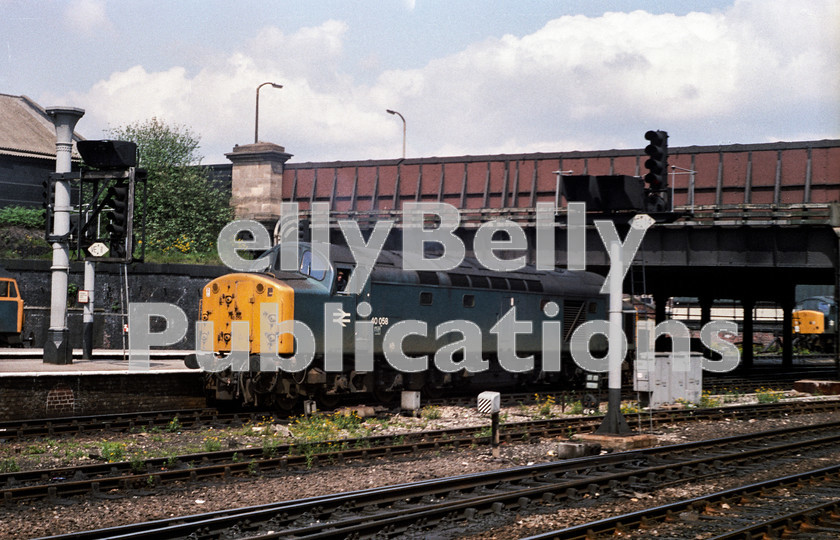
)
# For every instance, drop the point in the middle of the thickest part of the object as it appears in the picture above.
(238, 297)
(806, 321)
(11, 310)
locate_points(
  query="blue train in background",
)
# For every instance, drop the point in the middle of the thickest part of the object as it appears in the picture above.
(815, 324)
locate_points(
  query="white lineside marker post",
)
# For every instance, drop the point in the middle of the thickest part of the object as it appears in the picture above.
(614, 422)
(491, 402)
(87, 314)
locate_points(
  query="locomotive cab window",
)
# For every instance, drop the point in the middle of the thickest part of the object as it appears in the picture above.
(425, 299)
(469, 300)
(8, 289)
(342, 276)
(307, 269)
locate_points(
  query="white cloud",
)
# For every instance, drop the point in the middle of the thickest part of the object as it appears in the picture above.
(760, 70)
(603, 81)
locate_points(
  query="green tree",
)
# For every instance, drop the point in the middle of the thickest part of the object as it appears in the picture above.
(184, 211)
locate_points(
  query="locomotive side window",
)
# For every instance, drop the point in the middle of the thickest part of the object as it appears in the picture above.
(593, 307)
(469, 300)
(425, 299)
(4, 289)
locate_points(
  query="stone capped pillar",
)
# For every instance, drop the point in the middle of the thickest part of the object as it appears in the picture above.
(257, 180)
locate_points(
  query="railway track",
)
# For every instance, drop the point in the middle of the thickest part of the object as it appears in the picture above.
(412, 510)
(105, 477)
(802, 506)
(187, 418)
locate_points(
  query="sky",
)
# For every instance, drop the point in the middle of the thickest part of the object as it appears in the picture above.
(470, 77)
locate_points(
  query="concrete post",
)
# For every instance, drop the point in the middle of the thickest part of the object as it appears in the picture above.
(614, 422)
(705, 309)
(787, 327)
(87, 316)
(748, 304)
(660, 300)
(57, 348)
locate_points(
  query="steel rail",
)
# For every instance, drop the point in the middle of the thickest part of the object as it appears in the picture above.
(649, 516)
(119, 422)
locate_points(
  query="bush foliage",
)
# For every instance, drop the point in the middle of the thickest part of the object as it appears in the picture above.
(185, 211)
(19, 216)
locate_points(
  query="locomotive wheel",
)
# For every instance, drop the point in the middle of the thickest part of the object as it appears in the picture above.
(286, 403)
(327, 401)
(430, 391)
(384, 396)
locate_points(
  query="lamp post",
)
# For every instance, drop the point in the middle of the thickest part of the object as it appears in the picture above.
(257, 111)
(389, 111)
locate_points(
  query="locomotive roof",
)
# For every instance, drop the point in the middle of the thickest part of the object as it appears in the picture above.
(470, 273)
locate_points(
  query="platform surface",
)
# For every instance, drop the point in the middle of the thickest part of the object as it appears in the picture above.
(29, 362)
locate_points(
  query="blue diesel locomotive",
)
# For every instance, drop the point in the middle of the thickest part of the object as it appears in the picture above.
(316, 295)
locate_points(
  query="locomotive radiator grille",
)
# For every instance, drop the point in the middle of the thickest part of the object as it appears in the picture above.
(574, 315)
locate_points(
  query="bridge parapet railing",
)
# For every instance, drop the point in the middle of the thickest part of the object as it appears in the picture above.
(761, 214)
(712, 215)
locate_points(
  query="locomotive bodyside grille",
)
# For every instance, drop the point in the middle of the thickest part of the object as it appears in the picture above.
(573, 316)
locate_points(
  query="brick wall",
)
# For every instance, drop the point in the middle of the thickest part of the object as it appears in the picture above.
(50, 396)
(178, 284)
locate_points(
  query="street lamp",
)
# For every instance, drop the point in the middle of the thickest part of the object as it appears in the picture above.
(389, 111)
(257, 111)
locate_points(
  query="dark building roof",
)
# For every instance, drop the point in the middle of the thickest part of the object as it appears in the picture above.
(27, 150)
(26, 130)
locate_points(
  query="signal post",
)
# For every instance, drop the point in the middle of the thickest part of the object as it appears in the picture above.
(109, 187)
(57, 348)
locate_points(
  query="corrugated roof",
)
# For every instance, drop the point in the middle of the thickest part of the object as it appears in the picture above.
(26, 130)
